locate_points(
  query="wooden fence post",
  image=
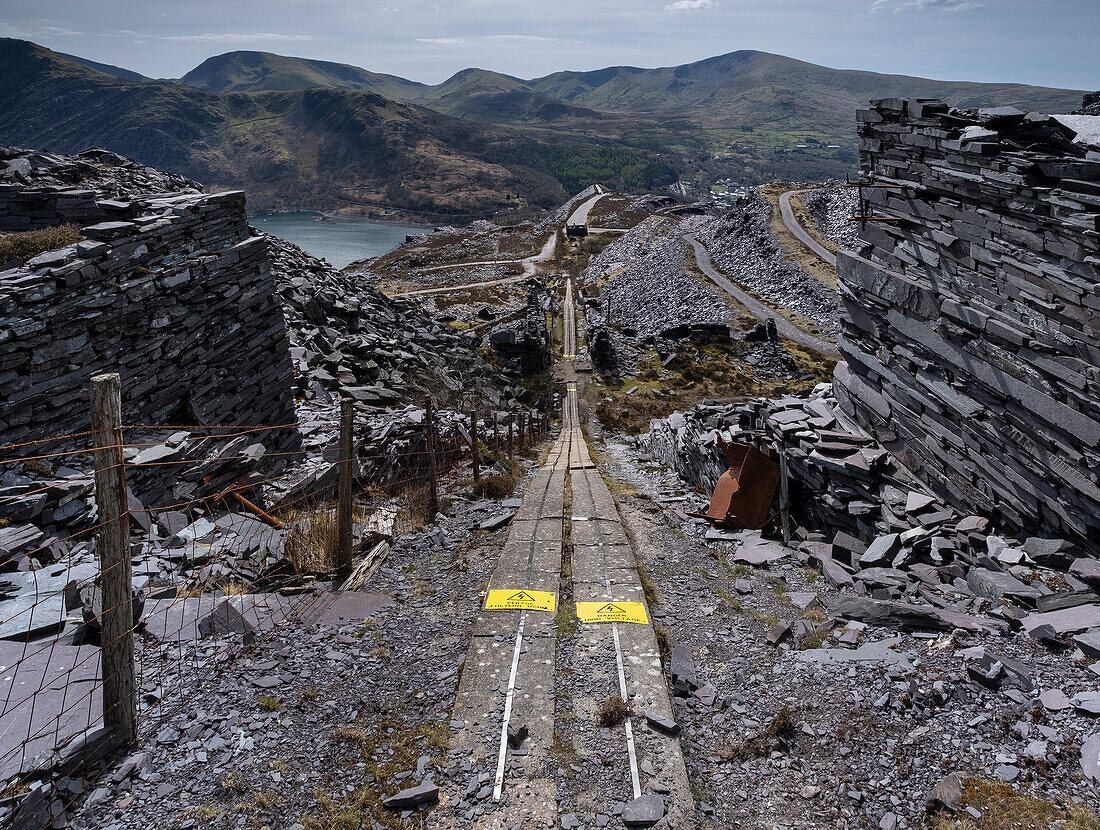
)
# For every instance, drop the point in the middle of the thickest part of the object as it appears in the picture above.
(344, 498)
(116, 581)
(521, 430)
(475, 449)
(511, 432)
(429, 443)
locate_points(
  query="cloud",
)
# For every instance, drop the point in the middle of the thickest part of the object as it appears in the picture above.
(41, 28)
(445, 41)
(522, 38)
(921, 5)
(690, 5)
(465, 41)
(230, 37)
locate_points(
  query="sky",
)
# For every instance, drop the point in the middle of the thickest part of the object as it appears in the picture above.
(1043, 42)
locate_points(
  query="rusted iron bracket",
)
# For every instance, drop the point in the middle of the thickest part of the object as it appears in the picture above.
(865, 213)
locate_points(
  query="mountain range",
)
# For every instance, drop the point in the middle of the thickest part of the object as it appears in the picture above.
(297, 132)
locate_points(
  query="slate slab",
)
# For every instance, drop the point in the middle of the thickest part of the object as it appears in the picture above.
(644, 811)
(1090, 757)
(1066, 621)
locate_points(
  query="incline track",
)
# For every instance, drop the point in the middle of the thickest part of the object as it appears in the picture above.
(510, 679)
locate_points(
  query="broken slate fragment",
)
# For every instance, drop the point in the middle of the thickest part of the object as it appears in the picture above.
(1088, 571)
(496, 522)
(1090, 757)
(1089, 643)
(1087, 703)
(682, 669)
(661, 723)
(424, 793)
(881, 552)
(224, 619)
(946, 794)
(916, 502)
(888, 613)
(1055, 700)
(516, 735)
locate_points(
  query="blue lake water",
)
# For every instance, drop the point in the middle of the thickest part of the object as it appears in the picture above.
(339, 239)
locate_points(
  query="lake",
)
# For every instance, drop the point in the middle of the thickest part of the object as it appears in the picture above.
(339, 239)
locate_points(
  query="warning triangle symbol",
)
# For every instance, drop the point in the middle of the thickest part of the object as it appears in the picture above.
(521, 595)
(610, 608)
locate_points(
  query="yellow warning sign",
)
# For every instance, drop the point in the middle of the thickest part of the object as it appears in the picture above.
(513, 599)
(630, 612)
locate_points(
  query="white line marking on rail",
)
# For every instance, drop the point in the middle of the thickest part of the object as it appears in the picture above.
(637, 784)
(502, 757)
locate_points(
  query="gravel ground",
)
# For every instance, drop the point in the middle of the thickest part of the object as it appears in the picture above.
(741, 244)
(325, 717)
(858, 741)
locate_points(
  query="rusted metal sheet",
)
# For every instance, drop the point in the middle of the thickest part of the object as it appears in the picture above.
(745, 491)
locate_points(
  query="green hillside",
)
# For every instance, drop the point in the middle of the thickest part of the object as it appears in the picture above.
(106, 68)
(266, 72)
(758, 89)
(481, 95)
(301, 132)
(318, 147)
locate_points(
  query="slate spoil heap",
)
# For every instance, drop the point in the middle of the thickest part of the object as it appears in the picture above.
(831, 206)
(742, 246)
(346, 335)
(968, 325)
(646, 289)
(40, 189)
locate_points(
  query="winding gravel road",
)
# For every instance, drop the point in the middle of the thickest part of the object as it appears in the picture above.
(791, 223)
(784, 326)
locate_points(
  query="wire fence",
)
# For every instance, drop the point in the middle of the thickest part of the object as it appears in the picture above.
(98, 649)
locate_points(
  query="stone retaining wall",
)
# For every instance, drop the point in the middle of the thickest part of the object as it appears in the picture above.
(176, 295)
(969, 328)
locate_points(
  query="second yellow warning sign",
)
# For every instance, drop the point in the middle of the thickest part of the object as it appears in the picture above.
(520, 599)
(602, 612)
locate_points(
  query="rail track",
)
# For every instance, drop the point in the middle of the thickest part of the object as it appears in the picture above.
(510, 683)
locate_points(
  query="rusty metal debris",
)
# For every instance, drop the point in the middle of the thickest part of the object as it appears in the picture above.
(744, 493)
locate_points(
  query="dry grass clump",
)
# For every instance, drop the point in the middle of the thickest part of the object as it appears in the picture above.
(29, 244)
(1003, 808)
(312, 541)
(414, 509)
(774, 736)
(612, 712)
(499, 485)
(400, 746)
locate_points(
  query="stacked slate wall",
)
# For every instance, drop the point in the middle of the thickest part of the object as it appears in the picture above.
(177, 296)
(969, 327)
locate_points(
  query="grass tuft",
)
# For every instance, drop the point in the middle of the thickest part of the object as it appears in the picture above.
(311, 542)
(29, 244)
(612, 712)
